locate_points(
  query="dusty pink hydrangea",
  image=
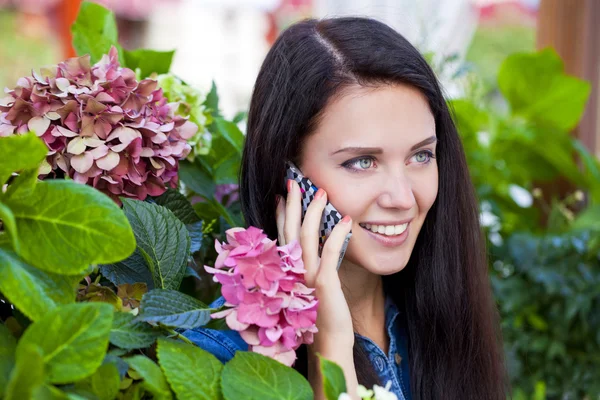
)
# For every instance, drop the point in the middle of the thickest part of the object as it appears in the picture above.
(265, 292)
(102, 127)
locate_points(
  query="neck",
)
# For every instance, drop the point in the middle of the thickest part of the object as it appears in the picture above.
(364, 293)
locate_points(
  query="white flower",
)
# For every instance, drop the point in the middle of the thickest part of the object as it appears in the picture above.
(384, 393)
(344, 396)
(363, 392)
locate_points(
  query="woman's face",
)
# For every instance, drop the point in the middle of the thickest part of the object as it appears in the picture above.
(373, 153)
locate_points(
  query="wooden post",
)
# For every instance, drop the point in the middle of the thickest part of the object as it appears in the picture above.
(66, 13)
(572, 29)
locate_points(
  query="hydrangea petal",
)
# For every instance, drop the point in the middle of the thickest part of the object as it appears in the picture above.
(109, 161)
(82, 162)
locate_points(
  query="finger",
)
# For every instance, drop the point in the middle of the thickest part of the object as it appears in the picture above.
(293, 212)
(309, 235)
(280, 217)
(331, 251)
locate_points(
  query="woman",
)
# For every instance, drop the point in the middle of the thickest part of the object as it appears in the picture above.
(359, 111)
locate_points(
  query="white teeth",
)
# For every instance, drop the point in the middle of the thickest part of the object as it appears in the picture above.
(388, 230)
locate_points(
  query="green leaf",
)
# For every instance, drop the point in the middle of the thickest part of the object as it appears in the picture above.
(334, 382)
(253, 376)
(20, 152)
(72, 226)
(154, 379)
(212, 101)
(105, 382)
(179, 205)
(192, 372)
(32, 291)
(10, 226)
(537, 88)
(588, 219)
(131, 270)
(129, 333)
(149, 61)
(197, 178)
(73, 340)
(8, 345)
(231, 133)
(196, 235)
(173, 308)
(29, 374)
(95, 31)
(162, 239)
(22, 185)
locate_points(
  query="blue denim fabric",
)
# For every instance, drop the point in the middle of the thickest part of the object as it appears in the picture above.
(392, 366)
(224, 343)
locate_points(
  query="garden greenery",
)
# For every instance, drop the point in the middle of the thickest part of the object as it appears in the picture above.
(94, 293)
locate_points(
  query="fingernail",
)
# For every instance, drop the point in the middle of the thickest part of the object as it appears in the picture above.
(289, 185)
(346, 219)
(320, 193)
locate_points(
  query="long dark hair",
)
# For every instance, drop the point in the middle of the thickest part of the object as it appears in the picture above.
(455, 346)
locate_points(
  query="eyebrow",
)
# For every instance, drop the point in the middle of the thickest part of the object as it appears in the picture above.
(379, 150)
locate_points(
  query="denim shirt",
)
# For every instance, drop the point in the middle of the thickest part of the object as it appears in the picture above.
(392, 366)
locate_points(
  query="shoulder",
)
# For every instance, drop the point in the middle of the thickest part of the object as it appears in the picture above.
(221, 343)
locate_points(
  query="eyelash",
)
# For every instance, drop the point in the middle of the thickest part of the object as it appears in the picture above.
(348, 164)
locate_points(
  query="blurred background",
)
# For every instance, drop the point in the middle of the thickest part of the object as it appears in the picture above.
(529, 120)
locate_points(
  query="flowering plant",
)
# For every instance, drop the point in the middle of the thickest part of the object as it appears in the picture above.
(378, 393)
(265, 292)
(101, 126)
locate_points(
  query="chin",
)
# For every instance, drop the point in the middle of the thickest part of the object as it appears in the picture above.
(380, 264)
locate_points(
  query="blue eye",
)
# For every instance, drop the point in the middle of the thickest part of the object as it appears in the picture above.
(424, 157)
(360, 164)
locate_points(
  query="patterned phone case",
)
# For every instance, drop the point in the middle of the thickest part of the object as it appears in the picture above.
(330, 217)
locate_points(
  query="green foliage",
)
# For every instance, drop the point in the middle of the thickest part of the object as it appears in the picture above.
(29, 374)
(154, 379)
(192, 372)
(72, 339)
(149, 61)
(254, 377)
(8, 345)
(129, 333)
(173, 308)
(334, 382)
(11, 154)
(95, 31)
(162, 240)
(33, 291)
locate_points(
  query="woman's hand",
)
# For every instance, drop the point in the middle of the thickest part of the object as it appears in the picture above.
(335, 339)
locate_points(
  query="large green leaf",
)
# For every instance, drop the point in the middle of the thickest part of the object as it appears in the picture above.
(334, 382)
(252, 376)
(129, 333)
(29, 375)
(198, 178)
(20, 152)
(10, 226)
(192, 372)
(231, 133)
(183, 210)
(131, 270)
(95, 31)
(154, 379)
(212, 101)
(105, 382)
(149, 61)
(73, 340)
(72, 226)
(179, 205)
(537, 88)
(162, 239)
(173, 308)
(34, 292)
(8, 345)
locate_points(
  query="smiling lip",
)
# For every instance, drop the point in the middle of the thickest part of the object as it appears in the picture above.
(389, 241)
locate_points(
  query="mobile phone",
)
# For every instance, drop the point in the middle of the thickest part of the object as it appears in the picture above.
(330, 216)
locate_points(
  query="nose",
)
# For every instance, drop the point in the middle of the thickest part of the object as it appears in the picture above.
(397, 193)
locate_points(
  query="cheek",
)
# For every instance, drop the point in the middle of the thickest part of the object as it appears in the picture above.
(425, 189)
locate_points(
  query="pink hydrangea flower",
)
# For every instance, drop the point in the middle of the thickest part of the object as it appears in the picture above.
(102, 127)
(265, 293)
